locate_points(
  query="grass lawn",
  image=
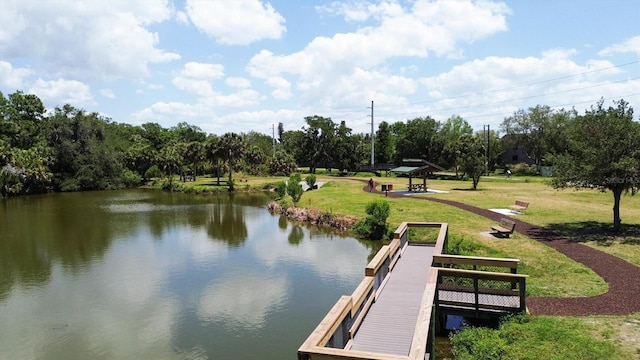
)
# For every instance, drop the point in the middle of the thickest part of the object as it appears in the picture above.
(544, 337)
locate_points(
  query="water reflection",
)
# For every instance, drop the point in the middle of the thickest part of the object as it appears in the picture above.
(242, 302)
(227, 223)
(148, 274)
(296, 235)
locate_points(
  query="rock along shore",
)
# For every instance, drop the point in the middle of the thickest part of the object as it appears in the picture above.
(313, 216)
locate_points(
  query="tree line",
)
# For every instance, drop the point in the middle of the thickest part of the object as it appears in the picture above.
(70, 149)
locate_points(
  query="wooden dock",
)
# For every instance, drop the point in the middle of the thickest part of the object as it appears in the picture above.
(407, 290)
(390, 324)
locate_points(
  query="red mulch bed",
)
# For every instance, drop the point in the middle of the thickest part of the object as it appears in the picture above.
(623, 297)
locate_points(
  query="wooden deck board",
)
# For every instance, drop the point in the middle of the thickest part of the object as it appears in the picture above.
(389, 326)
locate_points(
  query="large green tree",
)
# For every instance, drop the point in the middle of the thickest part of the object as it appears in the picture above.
(83, 159)
(418, 139)
(292, 143)
(383, 143)
(21, 118)
(344, 152)
(318, 141)
(450, 133)
(538, 131)
(603, 151)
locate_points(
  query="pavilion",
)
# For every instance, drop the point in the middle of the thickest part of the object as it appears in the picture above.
(416, 168)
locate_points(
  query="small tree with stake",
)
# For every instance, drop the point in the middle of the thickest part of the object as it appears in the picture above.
(471, 158)
(294, 189)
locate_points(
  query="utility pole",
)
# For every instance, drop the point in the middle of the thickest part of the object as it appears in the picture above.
(372, 143)
(487, 133)
(488, 149)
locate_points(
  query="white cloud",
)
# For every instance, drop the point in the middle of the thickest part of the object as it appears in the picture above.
(207, 105)
(327, 68)
(108, 93)
(238, 82)
(360, 11)
(182, 18)
(197, 70)
(60, 92)
(199, 88)
(631, 45)
(255, 120)
(282, 87)
(69, 38)
(236, 22)
(11, 77)
(494, 87)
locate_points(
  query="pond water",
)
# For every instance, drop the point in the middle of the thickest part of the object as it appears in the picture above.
(146, 274)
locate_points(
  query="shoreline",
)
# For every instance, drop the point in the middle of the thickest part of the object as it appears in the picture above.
(313, 217)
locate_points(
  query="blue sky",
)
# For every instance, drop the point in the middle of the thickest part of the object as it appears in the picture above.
(246, 65)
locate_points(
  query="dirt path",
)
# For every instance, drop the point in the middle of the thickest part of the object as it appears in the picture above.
(623, 297)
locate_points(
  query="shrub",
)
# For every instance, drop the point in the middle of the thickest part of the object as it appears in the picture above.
(153, 172)
(281, 189)
(311, 181)
(131, 178)
(282, 164)
(284, 202)
(524, 169)
(374, 226)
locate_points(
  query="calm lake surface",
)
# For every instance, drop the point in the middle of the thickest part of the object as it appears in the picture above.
(146, 274)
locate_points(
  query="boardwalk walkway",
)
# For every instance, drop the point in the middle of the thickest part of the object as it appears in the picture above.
(623, 297)
(389, 325)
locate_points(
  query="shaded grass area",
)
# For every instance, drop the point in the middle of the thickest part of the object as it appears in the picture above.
(602, 234)
(623, 244)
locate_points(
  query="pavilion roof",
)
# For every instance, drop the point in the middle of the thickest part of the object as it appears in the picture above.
(422, 168)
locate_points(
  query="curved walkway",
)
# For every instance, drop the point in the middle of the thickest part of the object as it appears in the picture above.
(623, 297)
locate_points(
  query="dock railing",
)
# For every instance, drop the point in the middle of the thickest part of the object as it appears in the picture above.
(332, 337)
(476, 291)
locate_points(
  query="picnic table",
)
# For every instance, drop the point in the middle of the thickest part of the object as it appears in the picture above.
(417, 187)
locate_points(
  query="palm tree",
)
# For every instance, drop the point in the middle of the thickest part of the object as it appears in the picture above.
(214, 153)
(233, 148)
(170, 158)
(195, 155)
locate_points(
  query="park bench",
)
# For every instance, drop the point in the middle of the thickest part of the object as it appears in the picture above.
(504, 228)
(519, 205)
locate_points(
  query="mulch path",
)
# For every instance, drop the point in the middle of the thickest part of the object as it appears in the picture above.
(623, 297)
